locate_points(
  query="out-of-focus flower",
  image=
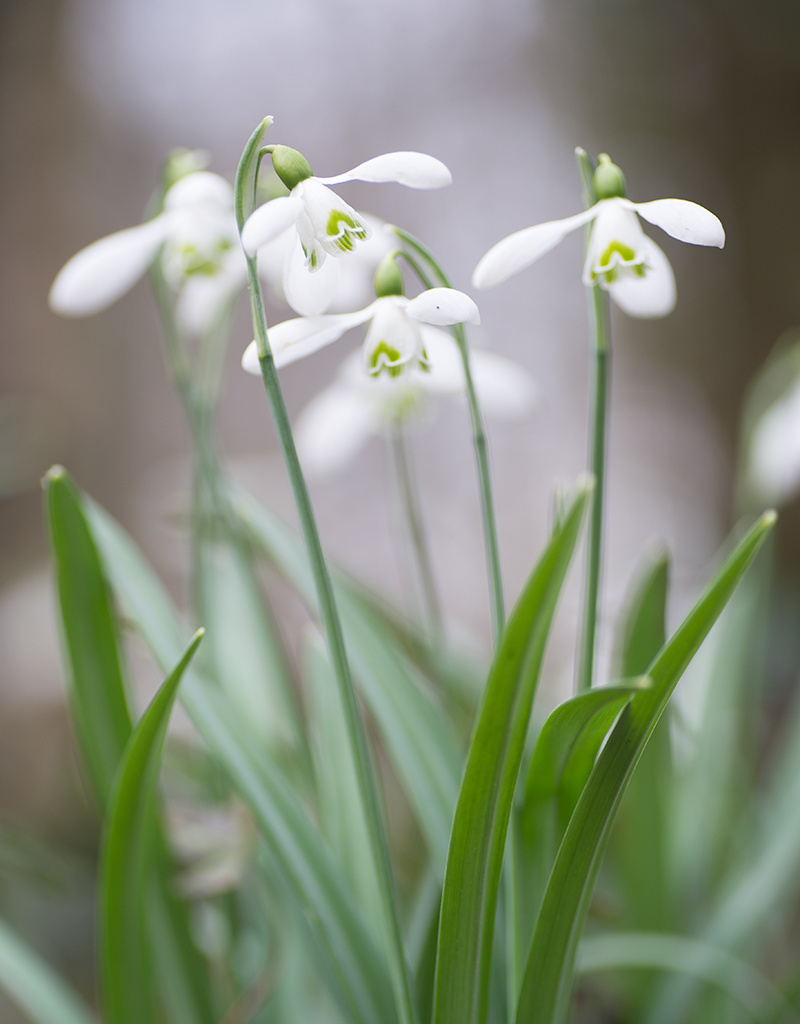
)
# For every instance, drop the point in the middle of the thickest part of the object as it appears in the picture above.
(397, 335)
(201, 256)
(357, 405)
(620, 257)
(324, 225)
(771, 421)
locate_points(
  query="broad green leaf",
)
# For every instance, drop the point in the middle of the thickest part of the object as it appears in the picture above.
(547, 983)
(643, 836)
(35, 987)
(419, 738)
(567, 747)
(681, 955)
(339, 808)
(475, 856)
(91, 636)
(242, 645)
(354, 960)
(124, 882)
(98, 700)
(565, 751)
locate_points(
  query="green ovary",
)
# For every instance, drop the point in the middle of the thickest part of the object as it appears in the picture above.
(340, 229)
(609, 267)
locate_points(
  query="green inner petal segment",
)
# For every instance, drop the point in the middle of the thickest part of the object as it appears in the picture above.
(618, 257)
(343, 230)
(204, 263)
(385, 357)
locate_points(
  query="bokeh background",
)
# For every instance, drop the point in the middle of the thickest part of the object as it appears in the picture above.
(698, 99)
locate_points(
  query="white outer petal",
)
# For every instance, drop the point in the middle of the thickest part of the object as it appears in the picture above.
(101, 273)
(294, 339)
(415, 170)
(309, 292)
(517, 251)
(270, 220)
(650, 296)
(333, 427)
(201, 188)
(504, 388)
(686, 221)
(774, 455)
(443, 306)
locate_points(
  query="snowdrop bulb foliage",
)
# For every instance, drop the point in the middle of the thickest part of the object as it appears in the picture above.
(324, 224)
(201, 257)
(620, 257)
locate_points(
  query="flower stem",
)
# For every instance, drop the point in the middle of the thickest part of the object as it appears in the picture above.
(479, 444)
(597, 456)
(246, 181)
(409, 500)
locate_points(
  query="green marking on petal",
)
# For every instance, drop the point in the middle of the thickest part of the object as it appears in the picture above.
(618, 257)
(385, 357)
(340, 229)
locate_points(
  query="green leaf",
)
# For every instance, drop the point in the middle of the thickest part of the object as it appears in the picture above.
(547, 983)
(481, 820)
(91, 636)
(682, 955)
(355, 961)
(35, 987)
(418, 736)
(643, 836)
(243, 648)
(124, 880)
(98, 699)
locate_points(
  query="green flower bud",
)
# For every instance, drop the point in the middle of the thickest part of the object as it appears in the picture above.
(609, 181)
(290, 166)
(388, 278)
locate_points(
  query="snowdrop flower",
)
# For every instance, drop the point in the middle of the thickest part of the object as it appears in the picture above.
(620, 257)
(324, 225)
(357, 405)
(201, 257)
(397, 335)
(771, 427)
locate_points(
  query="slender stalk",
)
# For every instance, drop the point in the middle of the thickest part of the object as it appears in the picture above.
(478, 441)
(412, 515)
(331, 622)
(597, 457)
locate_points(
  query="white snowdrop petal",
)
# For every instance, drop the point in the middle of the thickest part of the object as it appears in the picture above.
(504, 388)
(101, 273)
(250, 361)
(517, 251)
(650, 296)
(684, 220)
(308, 292)
(443, 306)
(267, 222)
(415, 170)
(294, 339)
(332, 428)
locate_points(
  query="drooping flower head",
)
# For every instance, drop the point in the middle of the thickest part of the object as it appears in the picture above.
(620, 258)
(398, 327)
(200, 255)
(324, 224)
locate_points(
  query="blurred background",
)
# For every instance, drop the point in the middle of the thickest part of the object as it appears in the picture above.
(697, 99)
